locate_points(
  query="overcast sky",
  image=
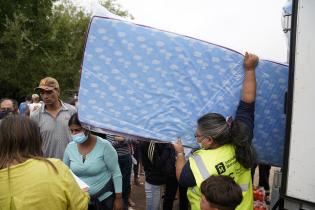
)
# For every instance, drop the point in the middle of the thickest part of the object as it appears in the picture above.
(242, 25)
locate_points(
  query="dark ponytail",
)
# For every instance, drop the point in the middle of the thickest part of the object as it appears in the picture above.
(241, 138)
(235, 133)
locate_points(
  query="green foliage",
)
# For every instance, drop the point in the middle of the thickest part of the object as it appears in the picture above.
(39, 39)
(65, 45)
(35, 11)
(24, 26)
(116, 8)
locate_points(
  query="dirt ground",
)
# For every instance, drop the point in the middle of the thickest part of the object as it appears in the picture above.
(138, 194)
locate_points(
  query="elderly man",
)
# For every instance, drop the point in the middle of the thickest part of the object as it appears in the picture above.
(53, 118)
(8, 106)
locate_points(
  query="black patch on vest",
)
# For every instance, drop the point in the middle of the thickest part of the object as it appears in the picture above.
(220, 168)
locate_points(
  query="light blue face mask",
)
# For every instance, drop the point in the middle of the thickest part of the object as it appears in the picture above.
(79, 137)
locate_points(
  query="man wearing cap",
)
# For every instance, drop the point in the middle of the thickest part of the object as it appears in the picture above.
(53, 118)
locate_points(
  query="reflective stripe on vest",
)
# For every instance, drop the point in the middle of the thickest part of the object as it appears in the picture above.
(201, 166)
(205, 173)
(244, 187)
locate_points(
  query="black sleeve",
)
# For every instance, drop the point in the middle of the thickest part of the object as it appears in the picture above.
(245, 113)
(187, 178)
(245, 118)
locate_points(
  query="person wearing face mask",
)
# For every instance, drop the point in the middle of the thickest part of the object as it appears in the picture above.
(95, 161)
(7, 107)
(225, 146)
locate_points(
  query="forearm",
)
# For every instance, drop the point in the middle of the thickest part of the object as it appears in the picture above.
(111, 162)
(249, 86)
(117, 180)
(116, 176)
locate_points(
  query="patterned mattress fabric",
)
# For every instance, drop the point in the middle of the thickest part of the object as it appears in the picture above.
(152, 84)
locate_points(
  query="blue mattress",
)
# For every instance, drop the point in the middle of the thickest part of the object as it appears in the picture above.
(152, 84)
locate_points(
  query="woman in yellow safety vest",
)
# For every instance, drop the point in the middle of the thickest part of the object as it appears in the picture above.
(225, 146)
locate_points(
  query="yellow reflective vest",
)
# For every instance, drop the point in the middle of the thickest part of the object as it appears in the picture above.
(219, 161)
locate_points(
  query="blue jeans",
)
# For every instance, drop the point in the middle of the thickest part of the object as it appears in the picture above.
(153, 196)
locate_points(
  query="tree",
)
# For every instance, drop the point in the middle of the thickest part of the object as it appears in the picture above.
(66, 45)
(39, 39)
(115, 8)
(24, 26)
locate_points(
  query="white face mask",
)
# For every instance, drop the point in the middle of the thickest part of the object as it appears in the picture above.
(200, 143)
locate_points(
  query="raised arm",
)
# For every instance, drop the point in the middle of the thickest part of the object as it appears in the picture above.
(249, 84)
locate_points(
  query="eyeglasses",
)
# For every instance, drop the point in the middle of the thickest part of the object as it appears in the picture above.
(47, 92)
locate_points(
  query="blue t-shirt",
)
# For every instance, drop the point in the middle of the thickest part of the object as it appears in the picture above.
(100, 164)
(23, 108)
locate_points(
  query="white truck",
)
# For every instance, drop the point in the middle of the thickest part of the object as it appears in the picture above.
(297, 188)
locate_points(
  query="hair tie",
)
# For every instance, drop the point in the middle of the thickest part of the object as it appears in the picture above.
(229, 121)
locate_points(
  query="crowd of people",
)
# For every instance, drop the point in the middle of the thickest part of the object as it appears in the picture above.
(45, 149)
